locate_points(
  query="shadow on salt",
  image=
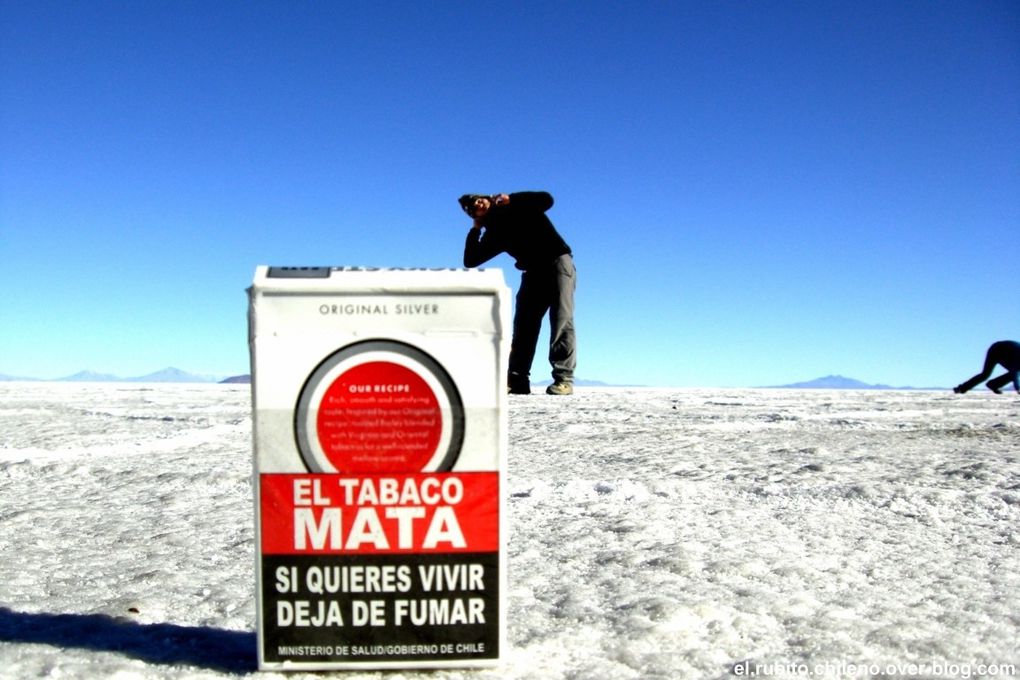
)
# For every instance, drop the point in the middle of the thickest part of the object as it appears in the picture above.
(214, 649)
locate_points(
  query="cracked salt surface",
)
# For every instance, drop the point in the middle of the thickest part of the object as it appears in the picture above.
(654, 533)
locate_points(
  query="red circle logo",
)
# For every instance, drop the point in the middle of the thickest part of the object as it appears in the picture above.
(379, 416)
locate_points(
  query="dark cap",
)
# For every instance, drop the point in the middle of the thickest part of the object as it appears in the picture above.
(467, 201)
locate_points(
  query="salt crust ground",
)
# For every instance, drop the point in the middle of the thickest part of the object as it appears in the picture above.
(655, 533)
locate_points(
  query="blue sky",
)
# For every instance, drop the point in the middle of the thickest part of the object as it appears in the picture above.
(756, 192)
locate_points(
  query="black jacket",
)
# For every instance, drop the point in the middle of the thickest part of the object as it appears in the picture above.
(519, 229)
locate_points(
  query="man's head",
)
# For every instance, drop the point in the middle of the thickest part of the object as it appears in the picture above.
(475, 205)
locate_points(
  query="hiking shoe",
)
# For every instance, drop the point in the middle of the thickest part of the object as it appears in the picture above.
(518, 384)
(560, 388)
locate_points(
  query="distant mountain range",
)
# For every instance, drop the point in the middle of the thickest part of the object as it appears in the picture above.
(176, 375)
(838, 382)
(581, 382)
(167, 375)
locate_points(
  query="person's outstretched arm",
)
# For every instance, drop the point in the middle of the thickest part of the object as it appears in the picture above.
(477, 248)
(533, 200)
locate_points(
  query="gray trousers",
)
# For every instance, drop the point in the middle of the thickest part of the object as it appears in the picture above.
(546, 289)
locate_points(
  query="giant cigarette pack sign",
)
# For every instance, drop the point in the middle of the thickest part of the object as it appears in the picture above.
(380, 439)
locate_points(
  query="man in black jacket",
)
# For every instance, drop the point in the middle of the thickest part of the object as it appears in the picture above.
(1005, 353)
(516, 224)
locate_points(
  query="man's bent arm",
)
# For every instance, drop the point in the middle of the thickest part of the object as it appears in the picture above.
(532, 200)
(476, 250)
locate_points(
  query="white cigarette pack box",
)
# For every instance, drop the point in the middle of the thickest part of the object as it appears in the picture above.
(380, 437)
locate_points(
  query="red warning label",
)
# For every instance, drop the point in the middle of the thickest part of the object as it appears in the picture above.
(379, 514)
